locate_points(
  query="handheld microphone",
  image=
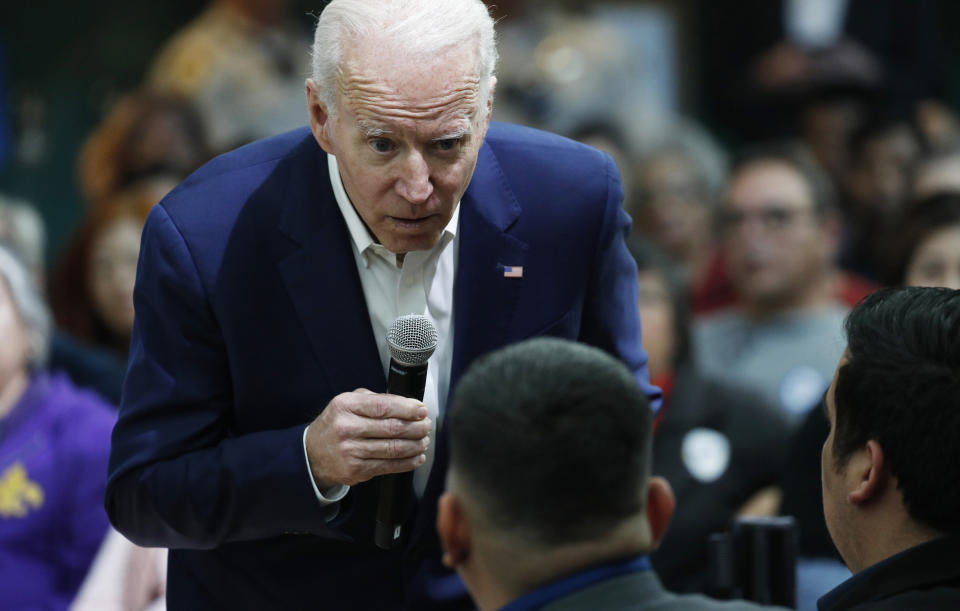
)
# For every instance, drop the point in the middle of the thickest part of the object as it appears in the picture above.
(412, 339)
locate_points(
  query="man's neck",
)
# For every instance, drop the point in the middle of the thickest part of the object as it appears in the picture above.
(500, 572)
(906, 535)
(816, 294)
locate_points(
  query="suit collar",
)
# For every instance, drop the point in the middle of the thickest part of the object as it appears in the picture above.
(922, 567)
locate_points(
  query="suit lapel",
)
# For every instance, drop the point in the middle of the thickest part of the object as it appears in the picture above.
(484, 299)
(320, 274)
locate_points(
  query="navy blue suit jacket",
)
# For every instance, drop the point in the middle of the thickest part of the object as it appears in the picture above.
(250, 317)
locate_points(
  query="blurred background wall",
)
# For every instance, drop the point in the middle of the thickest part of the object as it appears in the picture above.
(62, 65)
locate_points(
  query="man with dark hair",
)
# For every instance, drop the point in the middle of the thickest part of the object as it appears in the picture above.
(550, 502)
(891, 462)
(882, 155)
(780, 232)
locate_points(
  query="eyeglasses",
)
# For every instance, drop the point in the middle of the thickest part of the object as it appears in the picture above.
(772, 217)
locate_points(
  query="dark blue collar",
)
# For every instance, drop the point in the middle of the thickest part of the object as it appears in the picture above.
(921, 567)
(568, 585)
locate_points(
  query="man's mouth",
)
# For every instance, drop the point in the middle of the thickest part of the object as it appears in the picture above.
(410, 223)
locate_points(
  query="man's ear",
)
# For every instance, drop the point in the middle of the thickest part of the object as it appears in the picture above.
(490, 94)
(453, 530)
(868, 474)
(660, 506)
(320, 120)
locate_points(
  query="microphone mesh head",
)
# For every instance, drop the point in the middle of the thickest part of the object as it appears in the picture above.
(412, 338)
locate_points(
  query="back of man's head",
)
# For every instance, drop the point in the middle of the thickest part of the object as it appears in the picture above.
(900, 387)
(551, 441)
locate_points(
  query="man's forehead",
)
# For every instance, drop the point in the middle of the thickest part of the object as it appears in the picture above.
(384, 57)
(769, 185)
(446, 109)
(373, 127)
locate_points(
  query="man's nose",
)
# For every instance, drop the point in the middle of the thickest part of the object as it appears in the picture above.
(414, 183)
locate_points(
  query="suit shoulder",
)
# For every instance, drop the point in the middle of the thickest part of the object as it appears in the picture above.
(229, 180)
(247, 157)
(539, 146)
(237, 198)
(542, 169)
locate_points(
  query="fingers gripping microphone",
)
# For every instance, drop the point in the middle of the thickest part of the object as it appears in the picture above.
(411, 339)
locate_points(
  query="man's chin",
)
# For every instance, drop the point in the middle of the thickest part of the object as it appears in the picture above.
(401, 245)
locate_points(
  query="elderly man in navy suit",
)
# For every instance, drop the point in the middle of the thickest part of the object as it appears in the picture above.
(254, 421)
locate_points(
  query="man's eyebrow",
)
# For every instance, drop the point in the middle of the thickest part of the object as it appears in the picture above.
(458, 132)
(372, 131)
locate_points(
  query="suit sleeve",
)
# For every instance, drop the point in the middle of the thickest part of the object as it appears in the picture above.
(178, 475)
(611, 317)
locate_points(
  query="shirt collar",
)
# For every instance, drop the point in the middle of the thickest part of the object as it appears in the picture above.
(359, 234)
(578, 581)
(920, 567)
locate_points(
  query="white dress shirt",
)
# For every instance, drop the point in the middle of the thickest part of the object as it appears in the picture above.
(423, 284)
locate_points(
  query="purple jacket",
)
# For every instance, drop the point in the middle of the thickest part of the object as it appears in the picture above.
(54, 446)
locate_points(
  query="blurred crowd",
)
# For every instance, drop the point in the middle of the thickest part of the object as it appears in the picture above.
(822, 162)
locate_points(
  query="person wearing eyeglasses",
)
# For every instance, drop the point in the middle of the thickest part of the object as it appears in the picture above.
(779, 232)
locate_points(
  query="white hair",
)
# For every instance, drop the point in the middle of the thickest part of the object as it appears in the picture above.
(24, 229)
(422, 27)
(28, 303)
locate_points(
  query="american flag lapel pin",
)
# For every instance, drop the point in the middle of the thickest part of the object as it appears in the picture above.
(512, 271)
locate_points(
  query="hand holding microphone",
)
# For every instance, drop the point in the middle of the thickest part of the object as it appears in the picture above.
(362, 434)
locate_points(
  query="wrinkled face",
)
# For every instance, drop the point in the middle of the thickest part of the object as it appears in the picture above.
(672, 206)
(656, 314)
(406, 136)
(936, 261)
(113, 270)
(776, 244)
(832, 477)
(14, 349)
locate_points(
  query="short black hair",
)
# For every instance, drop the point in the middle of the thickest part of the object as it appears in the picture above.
(900, 387)
(797, 157)
(925, 217)
(552, 439)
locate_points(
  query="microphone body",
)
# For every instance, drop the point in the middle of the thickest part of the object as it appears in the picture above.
(412, 339)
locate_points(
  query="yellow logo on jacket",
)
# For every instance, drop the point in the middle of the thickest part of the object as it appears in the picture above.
(17, 493)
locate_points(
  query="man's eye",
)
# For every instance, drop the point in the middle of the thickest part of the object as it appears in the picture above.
(447, 144)
(381, 145)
